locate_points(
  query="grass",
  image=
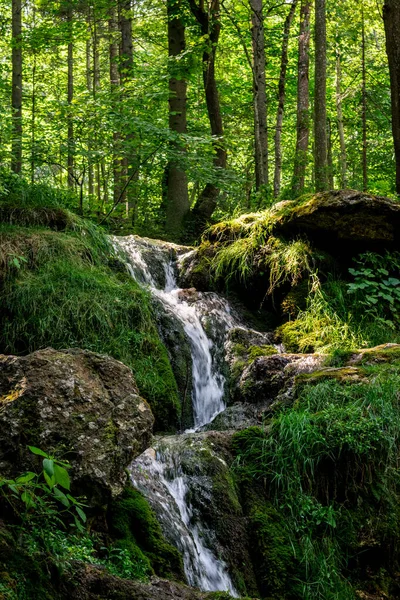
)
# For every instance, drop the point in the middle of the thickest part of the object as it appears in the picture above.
(327, 464)
(334, 321)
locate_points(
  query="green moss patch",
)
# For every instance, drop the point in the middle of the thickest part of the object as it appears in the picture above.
(136, 529)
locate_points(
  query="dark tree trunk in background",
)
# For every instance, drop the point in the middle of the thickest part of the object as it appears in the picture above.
(281, 99)
(259, 94)
(391, 18)
(16, 100)
(89, 85)
(303, 101)
(70, 94)
(177, 195)
(320, 125)
(210, 26)
(364, 106)
(125, 71)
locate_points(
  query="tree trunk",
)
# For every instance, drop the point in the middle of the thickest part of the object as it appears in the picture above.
(329, 154)
(211, 27)
(320, 125)
(177, 195)
(364, 106)
(391, 18)
(70, 92)
(125, 71)
(89, 85)
(281, 99)
(16, 100)
(259, 94)
(339, 112)
(115, 84)
(303, 101)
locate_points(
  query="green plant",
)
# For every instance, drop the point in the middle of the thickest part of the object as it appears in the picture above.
(376, 288)
(34, 496)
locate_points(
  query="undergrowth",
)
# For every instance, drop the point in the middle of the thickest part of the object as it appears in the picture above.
(329, 466)
(334, 320)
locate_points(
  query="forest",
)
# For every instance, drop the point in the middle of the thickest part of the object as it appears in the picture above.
(199, 299)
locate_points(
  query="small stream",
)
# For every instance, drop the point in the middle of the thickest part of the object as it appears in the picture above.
(158, 473)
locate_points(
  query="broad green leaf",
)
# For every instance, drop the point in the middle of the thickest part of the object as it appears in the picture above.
(38, 451)
(61, 497)
(25, 478)
(48, 467)
(61, 477)
(81, 514)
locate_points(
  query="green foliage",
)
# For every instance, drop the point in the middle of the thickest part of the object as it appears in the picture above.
(333, 320)
(376, 288)
(326, 463)
(45, 495)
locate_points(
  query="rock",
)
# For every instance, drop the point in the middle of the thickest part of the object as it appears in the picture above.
(236, 417)
(385, 353)
(268, 377)
(93, 583)
(355, 218)
(340, 374)
(79, 405)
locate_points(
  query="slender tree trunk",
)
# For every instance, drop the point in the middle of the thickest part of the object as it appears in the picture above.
(259, 94)
(364, 107)
(125, 68)
(329, 153)
(303, 101)
(210, 26)
(16, 100)
(339, 112)
(33, 118)
(89, 85)
(177, 194)
(391, 18)
(115, 84)
(320, 126)
(281, 99)
(70, 133)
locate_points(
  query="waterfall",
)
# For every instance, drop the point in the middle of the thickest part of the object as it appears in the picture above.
(158, 473)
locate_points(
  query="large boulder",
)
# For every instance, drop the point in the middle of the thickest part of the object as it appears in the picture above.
(76, 404)
(341, 217)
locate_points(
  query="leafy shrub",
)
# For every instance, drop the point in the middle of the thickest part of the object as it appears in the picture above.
(376, 288)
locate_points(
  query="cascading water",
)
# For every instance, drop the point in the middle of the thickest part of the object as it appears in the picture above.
(158, 472)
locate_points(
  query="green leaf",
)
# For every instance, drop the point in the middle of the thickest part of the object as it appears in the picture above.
(61, 497)
(81, 514)
(48, 467)
(38, 451)
(61, 477)
(51, 482)
(26, 478)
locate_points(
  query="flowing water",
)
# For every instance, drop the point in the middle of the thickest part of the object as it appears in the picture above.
(158, 473)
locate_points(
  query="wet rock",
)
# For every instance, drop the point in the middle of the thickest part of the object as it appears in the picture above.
(189, 484)
(93, 583)
(179, 351)
(80, 405)
(236, 417)
(269, 377)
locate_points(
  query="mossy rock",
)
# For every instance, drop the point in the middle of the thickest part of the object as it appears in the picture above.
(383, 354)
(135, 526)
(346, 375)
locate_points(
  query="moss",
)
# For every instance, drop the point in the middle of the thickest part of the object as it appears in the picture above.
(386, 353)
(343, 375)
(136, 528)
(272, 551)
(87, 306)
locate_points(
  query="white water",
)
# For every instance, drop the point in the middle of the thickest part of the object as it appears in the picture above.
(208, 384)
(158, 472)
